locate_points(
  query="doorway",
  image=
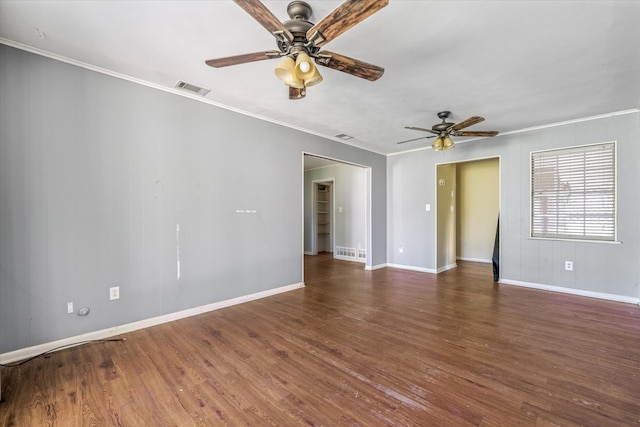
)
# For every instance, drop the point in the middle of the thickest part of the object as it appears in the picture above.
(322, 226)
(336, 209)
(468, 207)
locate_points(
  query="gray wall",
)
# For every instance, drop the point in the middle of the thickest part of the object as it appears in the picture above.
(598, 267)
(96, 173)
(349, 188)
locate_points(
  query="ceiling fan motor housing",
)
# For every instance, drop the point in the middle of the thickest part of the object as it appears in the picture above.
(442, 127)
(299, 10)
(298, 25)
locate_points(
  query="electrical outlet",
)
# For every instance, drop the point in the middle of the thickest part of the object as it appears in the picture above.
(114, 293)
(568, 265)
(69, 307)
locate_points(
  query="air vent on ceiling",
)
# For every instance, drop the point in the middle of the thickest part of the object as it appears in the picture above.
(344, 136)
(192, 88)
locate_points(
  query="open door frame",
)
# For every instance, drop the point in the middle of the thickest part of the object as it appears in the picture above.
(368, 210)
(314, 213)
(442, 268)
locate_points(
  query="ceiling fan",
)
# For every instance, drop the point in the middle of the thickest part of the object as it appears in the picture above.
(445, 129)
(299, 40)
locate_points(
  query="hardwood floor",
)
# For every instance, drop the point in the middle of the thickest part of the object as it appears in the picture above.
(355, 348)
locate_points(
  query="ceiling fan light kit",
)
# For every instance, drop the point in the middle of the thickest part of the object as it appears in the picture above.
(299, 40)
(445, 129)
(298, 73)
(443, 143)
(307, 72)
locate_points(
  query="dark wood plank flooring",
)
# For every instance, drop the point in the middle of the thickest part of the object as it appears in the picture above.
(354, 348)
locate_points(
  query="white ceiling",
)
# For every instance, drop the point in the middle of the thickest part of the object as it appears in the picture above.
(519, 64)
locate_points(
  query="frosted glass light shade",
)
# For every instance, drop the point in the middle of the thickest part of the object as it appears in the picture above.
(286, 71)
(313, 78)
(448, 143)
(304, 66)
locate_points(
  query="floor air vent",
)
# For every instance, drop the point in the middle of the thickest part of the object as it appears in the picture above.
(346, 252)
(350, 254)
(192, 88)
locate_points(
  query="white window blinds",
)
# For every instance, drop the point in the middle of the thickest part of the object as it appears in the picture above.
(573, 192)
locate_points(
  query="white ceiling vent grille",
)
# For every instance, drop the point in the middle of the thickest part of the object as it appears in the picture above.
(192, 88)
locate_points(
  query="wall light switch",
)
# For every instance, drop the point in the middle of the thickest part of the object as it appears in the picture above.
(69, 307)
(427, 207)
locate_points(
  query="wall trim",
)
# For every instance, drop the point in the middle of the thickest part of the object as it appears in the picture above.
(409, 267)
(572, 291)
(24, 353)
(447, 267)
(375, 267)
(482, 260)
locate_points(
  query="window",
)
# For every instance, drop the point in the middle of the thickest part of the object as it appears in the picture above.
(573, 193)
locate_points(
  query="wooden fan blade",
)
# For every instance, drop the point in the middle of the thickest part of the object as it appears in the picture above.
(242, 59)
(260, 13)
(476, 133)
(342, 18)
(422, 129)
(466, 123)
(349, 65)
(415, 139)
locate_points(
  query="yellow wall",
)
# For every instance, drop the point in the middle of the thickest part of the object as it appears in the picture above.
(478, 207)
(447, 208)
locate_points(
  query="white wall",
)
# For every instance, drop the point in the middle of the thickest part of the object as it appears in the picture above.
(447, 211)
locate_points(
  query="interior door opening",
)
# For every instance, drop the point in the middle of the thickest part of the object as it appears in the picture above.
(323, 217)
(336, 209)
(468, 209)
